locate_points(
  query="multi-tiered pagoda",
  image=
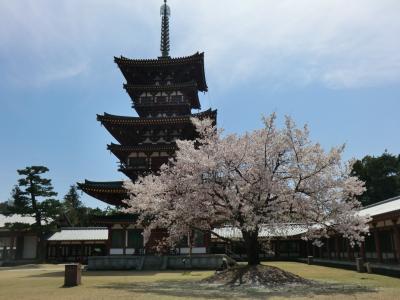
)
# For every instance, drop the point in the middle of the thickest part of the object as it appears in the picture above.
(164, 91)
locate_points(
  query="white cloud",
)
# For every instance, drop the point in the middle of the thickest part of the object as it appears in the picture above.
(337, 43)
(61, 73)
(341, 44)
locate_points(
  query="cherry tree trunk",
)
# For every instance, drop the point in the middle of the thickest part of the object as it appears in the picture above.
(252, 247)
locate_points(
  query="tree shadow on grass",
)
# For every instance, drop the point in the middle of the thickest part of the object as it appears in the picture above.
(185, 289)
(132, 273)
(20, 267)
(47, 274)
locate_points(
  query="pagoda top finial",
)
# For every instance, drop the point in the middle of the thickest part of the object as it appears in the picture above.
(165, 12)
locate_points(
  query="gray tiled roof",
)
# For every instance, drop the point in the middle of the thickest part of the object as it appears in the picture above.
(15, 219)
(383, 207)
(80, 234)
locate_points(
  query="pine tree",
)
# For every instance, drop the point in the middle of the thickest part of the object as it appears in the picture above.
(34, 196)
(75, 211)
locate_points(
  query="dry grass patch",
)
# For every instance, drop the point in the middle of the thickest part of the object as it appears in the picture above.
(45, 282)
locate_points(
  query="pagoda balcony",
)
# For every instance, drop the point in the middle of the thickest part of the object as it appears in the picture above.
(132, 172)
(142, 165)
(135, 164)
(161, 100)
(169, 94)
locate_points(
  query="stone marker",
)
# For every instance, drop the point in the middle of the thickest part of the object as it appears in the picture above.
(73, 275)
(360, 265)
(310, 260)
(368, 266)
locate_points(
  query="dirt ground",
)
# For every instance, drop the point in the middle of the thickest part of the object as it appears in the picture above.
(46, 281)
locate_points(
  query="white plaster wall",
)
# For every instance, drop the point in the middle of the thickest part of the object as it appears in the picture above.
(130, 251)
(116, 251)
(30, 245)
(195, 250)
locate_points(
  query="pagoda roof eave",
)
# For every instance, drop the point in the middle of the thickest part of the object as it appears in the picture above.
(149, 147)
(166, 62)
(125, 120)
(197, 57)
(110, 192)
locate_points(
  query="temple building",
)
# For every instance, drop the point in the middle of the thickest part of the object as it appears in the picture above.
(164, 91)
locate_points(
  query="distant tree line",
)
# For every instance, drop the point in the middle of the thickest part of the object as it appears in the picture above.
(34, 196)
(381, 175)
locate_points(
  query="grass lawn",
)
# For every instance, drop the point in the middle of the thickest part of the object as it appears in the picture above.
(45, 282)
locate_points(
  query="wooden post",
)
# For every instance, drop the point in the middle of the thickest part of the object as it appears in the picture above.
(124, 239)
(337, 250)
(108, 243)
(277, 243)
(349, 254)
(362, 251)
(396, 237)
(378, 245)
(82, 250)
(11, 254)
(328, 248)
(59, 253)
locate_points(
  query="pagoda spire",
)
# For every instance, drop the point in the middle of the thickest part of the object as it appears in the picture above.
(165, 13)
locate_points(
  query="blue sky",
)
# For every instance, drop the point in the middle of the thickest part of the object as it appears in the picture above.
(332, 64)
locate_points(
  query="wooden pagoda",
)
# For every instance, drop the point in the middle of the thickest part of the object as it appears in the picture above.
(164, 91)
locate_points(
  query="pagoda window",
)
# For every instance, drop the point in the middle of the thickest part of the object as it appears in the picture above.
(146, 100)
(157, 162)
(161, 99)
(176, 99)
(168, 79)
(146, 141)
(154, 139)
(138, 162)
